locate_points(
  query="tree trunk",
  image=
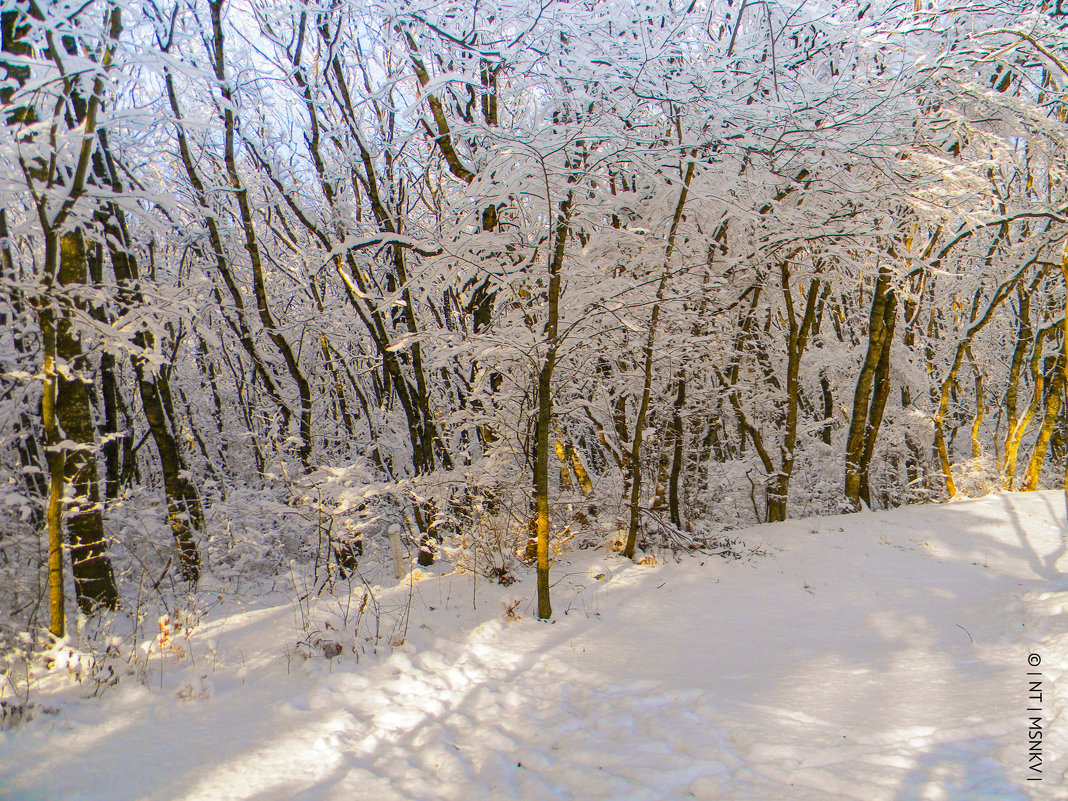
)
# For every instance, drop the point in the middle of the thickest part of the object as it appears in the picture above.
(541, 474)
(858, 435)
(1064, 361)
(980, 407)
(1054, 400)
(677, 453)
(779, 489)
(647, 372)
(66, 410)
(880, 395)
(252, 246)
(56, 459)
(1017, 424)
(93, 579)
(109, 384)
(545, 407)
(976, 324)
(184, 513)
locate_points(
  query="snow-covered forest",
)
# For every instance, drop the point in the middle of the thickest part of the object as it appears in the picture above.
(308, 295)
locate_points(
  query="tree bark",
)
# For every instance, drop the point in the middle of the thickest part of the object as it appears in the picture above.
(779, 489)
(647, 371)
(93, 579)
(879, 397)
(855, 478)
(678, 434)
(1054, 401)
(976, 323)
(545, 407)
(184, 512)
(252, 246)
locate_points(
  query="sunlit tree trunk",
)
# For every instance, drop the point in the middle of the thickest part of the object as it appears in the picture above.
(70, 432)
(542, 455)
(93, 580)
(976, 323)
(866, 416)
(1054, 401)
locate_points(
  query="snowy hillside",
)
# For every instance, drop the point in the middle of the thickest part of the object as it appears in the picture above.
(878, 657)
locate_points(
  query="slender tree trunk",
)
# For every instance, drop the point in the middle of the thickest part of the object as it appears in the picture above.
(541, 471)
(545, 406)
(184, 513)
(828, 408)
(779, 489)
(109, 384)
(109, 390)
(980, 407)
(237, 322)
(1025, 338)
(942, 396)
(647, 372)
(678, 434)
(1019, 427)
(912, 308)
(252, 246)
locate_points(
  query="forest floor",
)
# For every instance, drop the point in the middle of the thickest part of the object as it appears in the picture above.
(877, 656)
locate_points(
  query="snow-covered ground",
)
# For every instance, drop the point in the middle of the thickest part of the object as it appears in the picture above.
(872, 656)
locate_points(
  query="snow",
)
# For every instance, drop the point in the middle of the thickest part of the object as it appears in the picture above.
(877, 656)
